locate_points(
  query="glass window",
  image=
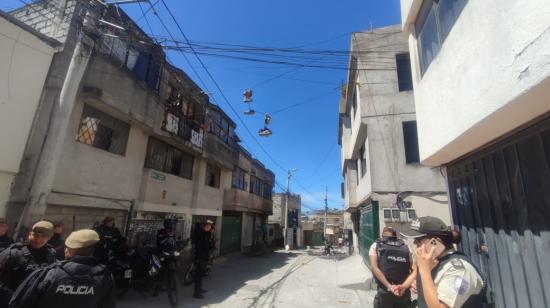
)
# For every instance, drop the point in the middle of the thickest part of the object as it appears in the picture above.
(410, 137)
(404, 75)
(434, 22)
(102, 131)
(239, 179)
(166, 158)
(363, 160)
(213, 174)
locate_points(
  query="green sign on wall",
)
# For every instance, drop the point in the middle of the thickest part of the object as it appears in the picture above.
(158, 176)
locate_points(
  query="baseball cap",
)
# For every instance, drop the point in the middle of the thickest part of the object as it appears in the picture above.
(208, 221)
(426, 225)
(82, 238)
(43, 227)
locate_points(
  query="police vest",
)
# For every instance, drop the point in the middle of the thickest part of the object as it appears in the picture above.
(76, 285)
(475, 301)
(28, 261)
(393, 260)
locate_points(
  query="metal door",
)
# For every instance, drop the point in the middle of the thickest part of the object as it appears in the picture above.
(369, 228)
(231, 235)
(500, 200)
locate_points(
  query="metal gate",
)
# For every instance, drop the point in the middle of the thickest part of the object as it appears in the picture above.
(369, 229)
(500, 200)
(231, 234)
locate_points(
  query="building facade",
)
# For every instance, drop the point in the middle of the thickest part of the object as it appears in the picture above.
(26, 55)
(384, 182)
(482, 85)
(277, 219)
(121, 132)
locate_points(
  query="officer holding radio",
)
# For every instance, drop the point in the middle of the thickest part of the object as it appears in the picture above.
(446, 277)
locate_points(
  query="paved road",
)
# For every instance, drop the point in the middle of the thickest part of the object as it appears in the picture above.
(279, 279)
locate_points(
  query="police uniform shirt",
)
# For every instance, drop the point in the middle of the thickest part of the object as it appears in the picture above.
(456, 281)
(5, 242)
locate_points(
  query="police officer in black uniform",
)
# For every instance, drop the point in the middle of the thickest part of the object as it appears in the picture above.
(57, 241)
(5, 239)
(202, 246)
(166, 239)
(20, 259)
(110, 241)
(391, 262)
(78, 282)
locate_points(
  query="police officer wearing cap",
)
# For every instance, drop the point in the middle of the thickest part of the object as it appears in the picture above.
(20, 259)
(111, 241)
(446, 277)
(393, 269)
(78, 282)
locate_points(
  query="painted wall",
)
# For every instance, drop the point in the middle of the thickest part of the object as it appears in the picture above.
(491, 75)
(24, 63)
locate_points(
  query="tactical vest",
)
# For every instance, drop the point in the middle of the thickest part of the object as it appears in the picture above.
(474, 301)
(393, 260)
(28, 262)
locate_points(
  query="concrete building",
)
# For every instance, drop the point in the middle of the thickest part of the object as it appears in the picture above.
(277, 220)
(481, 75)
(384, 182)
(25, 56)
(119, 131)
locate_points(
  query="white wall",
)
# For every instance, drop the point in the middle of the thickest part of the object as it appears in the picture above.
(24, 64)
(483, 83)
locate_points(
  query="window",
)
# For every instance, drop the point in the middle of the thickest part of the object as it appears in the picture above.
(239, 179)
(404, 75)
(363, 160)
(256, 185)
(166, 158)
(410, 137)
(219, 126)
(435, 21)
(213, 176)
(102, 131)
(268, 189)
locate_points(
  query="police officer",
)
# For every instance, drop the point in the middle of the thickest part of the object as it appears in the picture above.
(20, 259)
(391, 262)
(111, 241)
(57, 241)
(166, 239)
(202, 242)
(5, 239)
(446, 277)
(80, 281)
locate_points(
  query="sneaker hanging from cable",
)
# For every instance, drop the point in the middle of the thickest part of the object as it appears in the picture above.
(266, 132)
(247, 96)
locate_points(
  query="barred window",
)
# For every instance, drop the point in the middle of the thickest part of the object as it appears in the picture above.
(239, 179)
(213, 176)
(256, 185)
(102, 131)
(166, 158)
(268, 189)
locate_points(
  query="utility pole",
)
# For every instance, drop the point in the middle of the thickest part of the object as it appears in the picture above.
(287, 195)
(326, 209)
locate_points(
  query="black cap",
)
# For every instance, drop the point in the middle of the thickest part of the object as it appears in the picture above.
(426, 225)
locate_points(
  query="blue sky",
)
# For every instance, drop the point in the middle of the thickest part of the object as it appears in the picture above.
(304, 137)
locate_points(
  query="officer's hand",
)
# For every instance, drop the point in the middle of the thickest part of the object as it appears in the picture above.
(413, 287)
(426, 259)
(398, 290)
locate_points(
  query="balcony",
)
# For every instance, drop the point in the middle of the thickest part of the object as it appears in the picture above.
(220, 151)
(238, 200)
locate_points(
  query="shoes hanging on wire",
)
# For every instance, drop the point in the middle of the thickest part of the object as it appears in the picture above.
(266, 132)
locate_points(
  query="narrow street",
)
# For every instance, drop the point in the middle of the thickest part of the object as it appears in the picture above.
(279, 279)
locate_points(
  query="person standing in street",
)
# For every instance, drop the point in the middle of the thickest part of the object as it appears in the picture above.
(202, 246)
(20, 259)
(110, 240)
(446, 277)
(57, 242)
(5, 239)
(393, 269)
(80, 281)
